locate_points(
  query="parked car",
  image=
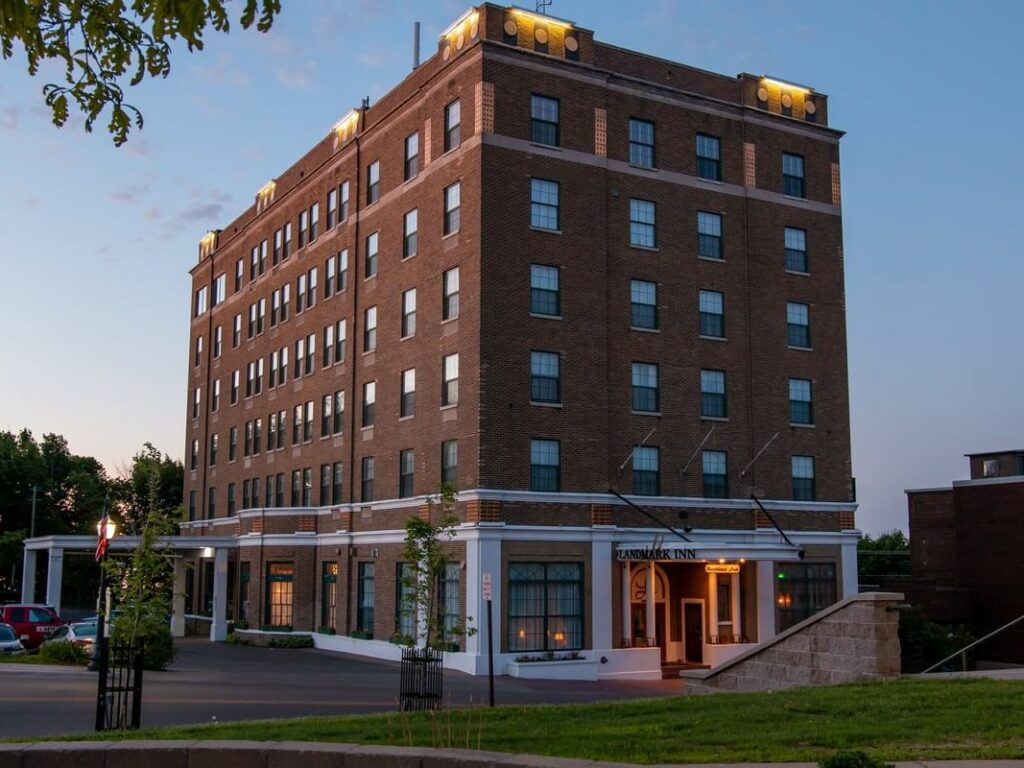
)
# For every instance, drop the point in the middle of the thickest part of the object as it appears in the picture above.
(81, 633)
(31, 623)
(10, 645)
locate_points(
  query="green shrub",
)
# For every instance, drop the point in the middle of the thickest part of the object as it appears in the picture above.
(853, 760)
(155, 633)
(276, 628)
(325, 630)
(360, 634)
(241, 624)
(234, 639)
(63, 653)
(291, 641)
(923, 642)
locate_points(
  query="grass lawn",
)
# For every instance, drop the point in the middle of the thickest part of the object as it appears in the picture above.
(905, 719)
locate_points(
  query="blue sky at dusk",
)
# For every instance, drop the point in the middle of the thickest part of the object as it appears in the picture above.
(97, 241)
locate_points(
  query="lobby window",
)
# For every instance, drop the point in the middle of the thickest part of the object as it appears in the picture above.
(712, 314)
(544, 291)
(716, 475)
(544, 205)
(369, 402)
(712, 394)
(373, 182)
(232, 443)
(448, 602)
(339, 412)
(545, 377)
(646, 472)
(545, 606)
(452, 125)
(450, 380)
(803, 590)
(370, 329)
(340, 337)
(798, 325)
(642, 223)
(709, 235)
(643, 297)
(406, 473)
(450, 462)
(332, 210)
(796, 250)
(279, 594)
(407, 401)
(343, 202)
(366, 490)
(803, 478)
(364, 613)
(338, 478)
(800, 407)
(793, 175)
(709, 159)
(544, 120)
(410, 231)
(641, 143)
(409, 313)
(545, 465)
(645, 387)
(450, 294)
(370, 262)
(328, 593)
(452, 204)
(412, 155)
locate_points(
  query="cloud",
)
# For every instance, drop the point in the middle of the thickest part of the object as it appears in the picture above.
(222, 72)
(213, 195)
(139, 147)
(129, 193)
(10, 118)
(298, 77)
(193, 219)
(154, 214)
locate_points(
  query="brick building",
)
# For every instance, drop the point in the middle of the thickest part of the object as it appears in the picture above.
(540, 268)
(965, 545)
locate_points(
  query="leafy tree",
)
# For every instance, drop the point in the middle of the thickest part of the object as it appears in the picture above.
(887, 555)
(99, 43)
(151, 471)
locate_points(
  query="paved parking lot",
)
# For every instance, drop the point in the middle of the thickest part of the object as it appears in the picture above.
(214, 681)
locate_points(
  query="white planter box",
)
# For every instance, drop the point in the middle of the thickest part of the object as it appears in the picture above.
(579, 669)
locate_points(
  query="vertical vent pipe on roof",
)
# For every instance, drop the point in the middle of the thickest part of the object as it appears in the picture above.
(415, 44)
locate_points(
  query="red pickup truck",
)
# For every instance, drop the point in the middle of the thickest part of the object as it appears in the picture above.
(32, 623)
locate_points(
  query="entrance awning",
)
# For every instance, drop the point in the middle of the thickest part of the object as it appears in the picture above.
(699, 551)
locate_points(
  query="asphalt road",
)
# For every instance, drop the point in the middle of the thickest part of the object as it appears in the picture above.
(214, 681)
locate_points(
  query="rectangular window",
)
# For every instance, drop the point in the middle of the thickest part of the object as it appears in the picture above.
(798, 325)
(194, 455)
(452, 125)
(709, 235)
(803, 478)
(296, 487)
(220, 289)
(343, 202)
(712, 314)
(339, 412)
(364, 614)
(310, 365)
(282, 427)
(198, 355)
(712, 394)
(278, 247)
(450, 380)
(367, 479)
(300, 356)
(340, 337)
(258, 382)
(408, 313)
(338, 478)
(406, 473)
(330, 276)
(410, 232)
(373, 182)
(311, 288)
(646, 471)
(544, 204)
(645, 388)
(412, 155)
(642, 230)
(211, 508)
(271, 431)
(544, 120)
(793, 175)
(314, 222)
(297, 413)
(236, 332)
(796, 249)
(709, 159)
(201, 299)
(254, 262)
(300, 294)
(369, 402)
(452, 204)
(545, 606)
(303, 227)
(307, 486)
(450, 462)
(448, 602)
(307, 431)
(407, 404)
(332, 209)
(239, 274)
(342, 278)
(218, 341)
(544, 291)
(545, 377)
(327, 349)
(287, 249)
(232, 443)
(370, 261)
(545, 465)
(279, 594)
(328, 593)
(282, 370)
(405, 608)
(286, 295)
(641, 143)
(246, 498)
(716, 475)
(803, 590)
(275, 308)
(247, 447)
(235, 379)
(450, 294)
(643, 304)
(326, 410)
(279, 490)
(370, 329)
(215, 396)
(801, 410)
(257, 435)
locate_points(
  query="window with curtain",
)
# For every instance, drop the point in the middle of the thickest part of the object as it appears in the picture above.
(545, 606)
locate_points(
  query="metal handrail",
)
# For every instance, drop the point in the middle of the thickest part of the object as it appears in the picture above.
(962, 653)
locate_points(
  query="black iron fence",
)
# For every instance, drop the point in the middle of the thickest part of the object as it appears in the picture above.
(119, 690)
(422, 682)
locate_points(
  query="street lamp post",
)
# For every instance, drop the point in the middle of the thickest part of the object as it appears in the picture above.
(105, 530)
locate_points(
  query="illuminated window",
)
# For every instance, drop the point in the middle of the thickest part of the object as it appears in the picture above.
(545, 606)
(544, 120)
(642, 224)
(279, 594)
(803, 590)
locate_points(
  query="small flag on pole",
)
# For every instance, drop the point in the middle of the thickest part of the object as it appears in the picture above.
(101, 545)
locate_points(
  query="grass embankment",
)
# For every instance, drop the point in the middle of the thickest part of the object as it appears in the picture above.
(906, 719)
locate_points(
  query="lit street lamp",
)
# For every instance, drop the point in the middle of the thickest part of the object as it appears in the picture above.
(105, 531)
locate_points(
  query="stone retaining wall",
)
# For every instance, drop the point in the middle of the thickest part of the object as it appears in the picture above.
(855, 639)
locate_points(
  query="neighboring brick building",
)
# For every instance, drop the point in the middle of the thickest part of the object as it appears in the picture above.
(965, 552)
(540, 268)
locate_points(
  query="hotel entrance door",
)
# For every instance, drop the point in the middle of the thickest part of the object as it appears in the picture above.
(693, 631)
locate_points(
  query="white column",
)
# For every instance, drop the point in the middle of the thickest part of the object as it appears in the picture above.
(737, 618)
(28, 577)
(601, 593)
(54, 576)
(765, 600)
(219, 627)
(627, 601)
(650, 625)
(849, 568)
(713, 604)
(483, 554)
(178, 599)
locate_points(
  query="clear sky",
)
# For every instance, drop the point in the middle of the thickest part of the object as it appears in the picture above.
(96, 242)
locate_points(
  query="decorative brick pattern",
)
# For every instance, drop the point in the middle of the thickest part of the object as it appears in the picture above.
(601, 132)
(846, 521)
(761, 520)
(426, 142)
(837, 193)
(749, 165)
(600, 514)
(307, 524)
(256, 525)
(484, 108)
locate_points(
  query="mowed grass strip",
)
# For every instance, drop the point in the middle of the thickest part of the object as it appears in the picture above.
(905, 719)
